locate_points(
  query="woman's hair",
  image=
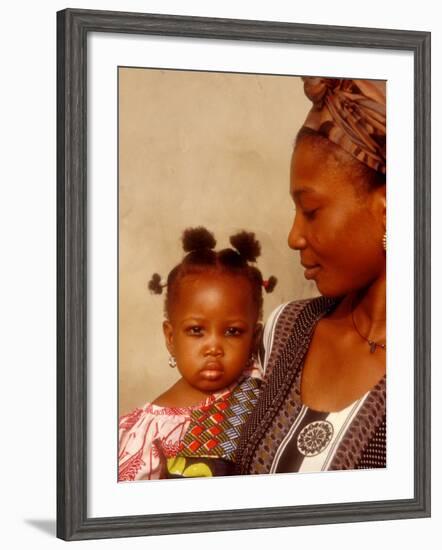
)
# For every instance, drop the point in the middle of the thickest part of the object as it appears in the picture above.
(201, 258)
(366, 178)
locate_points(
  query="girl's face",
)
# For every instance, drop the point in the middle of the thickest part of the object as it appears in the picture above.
(338, 226)
(212, 329)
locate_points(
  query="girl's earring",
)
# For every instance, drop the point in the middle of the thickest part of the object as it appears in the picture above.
(251, 361)
(172, 362)
(384, 241)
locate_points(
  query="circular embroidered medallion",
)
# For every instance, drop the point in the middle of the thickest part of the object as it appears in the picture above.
(315, 437)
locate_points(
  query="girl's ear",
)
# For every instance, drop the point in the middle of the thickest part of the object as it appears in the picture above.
(168, 336)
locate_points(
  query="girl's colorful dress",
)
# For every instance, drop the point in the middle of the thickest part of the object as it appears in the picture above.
(158, 442)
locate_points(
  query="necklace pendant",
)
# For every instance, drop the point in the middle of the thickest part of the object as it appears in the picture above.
(372, 346)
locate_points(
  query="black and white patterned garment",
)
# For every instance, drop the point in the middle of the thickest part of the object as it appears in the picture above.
(312, 440)
(282, 434)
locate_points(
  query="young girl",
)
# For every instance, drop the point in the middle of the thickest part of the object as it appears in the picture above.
(213, 307)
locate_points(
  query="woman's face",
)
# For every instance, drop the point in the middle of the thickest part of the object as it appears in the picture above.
(338, 226)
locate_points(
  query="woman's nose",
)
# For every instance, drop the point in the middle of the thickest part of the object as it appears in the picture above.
(296, 238)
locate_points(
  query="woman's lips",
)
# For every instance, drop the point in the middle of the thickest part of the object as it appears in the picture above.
(311, 271)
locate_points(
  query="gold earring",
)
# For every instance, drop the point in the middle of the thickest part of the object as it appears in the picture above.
(384, 241)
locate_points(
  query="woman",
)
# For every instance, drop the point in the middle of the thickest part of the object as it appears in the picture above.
(323, 406)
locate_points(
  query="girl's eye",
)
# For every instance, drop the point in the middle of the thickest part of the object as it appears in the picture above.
(194, 330)
(234, 331)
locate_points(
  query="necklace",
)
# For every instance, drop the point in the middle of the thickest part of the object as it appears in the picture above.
(372, 344)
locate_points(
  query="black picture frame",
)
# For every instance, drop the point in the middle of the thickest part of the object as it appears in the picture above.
(73, 27)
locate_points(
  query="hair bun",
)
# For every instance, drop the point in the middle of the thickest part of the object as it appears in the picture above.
(246, 245)
(155, 285)
(198, 238)
(270, 284)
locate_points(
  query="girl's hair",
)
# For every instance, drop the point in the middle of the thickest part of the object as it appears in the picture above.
(201, 257)
(367, 178)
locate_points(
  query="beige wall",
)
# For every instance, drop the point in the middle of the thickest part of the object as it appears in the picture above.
(198, 148)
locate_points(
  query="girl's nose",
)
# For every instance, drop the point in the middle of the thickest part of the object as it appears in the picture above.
(296, 238)
(214, 348)
(215, 351)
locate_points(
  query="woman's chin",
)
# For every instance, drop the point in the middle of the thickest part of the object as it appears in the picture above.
(328, 291)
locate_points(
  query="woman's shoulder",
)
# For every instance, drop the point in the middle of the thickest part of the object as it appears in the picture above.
(285, 315)
(318, 303)
(285, 320)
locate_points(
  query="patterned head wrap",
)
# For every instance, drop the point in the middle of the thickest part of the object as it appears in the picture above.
(351, 114)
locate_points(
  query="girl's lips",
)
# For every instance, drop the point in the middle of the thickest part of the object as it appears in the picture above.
(211, 374)
(212, 371)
